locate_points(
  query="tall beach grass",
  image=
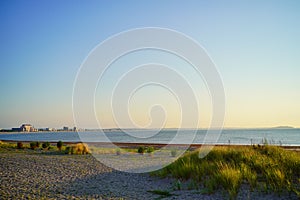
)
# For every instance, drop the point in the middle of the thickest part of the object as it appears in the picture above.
(265, 168)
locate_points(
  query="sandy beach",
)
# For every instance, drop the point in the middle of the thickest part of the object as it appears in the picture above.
(35, 175)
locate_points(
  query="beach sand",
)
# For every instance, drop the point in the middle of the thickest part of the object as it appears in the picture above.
(31, 175)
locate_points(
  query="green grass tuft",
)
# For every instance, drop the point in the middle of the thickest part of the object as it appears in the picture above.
(230, 178)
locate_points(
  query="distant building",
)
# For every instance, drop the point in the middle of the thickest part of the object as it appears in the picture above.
(65, 128)
(45, 129)
(15, 129)
(27, 128)
(50, 129)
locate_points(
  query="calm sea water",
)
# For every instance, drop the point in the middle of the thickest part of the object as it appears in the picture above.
(289, 137)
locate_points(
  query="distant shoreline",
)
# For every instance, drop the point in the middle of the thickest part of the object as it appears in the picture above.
(234, 138)
(132, 129)
(7, 132)
(158, 145)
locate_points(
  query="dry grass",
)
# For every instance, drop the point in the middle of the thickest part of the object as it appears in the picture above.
(79, 149)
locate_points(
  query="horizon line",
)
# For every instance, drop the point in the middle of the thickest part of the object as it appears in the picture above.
(188, 128)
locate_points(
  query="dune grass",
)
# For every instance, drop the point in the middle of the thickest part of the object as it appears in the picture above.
(79, 148)
(266, 168)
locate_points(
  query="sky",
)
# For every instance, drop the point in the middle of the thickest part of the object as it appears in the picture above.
(255, 46)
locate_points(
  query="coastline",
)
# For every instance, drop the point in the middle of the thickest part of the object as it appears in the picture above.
(156, 145)
(32, 132)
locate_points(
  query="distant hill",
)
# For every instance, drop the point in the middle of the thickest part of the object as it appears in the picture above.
(283, 127)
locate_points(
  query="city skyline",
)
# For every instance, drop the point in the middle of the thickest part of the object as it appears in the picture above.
(33, 128)
(254, 45)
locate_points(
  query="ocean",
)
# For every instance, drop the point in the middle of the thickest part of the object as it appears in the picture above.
(286, 137)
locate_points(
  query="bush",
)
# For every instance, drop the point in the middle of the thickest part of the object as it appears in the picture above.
(34, 145)
(141, 150)
(69, 150)
(150, 150)
(59, 145)
(20, 145)
(79, 148)
(46, 145)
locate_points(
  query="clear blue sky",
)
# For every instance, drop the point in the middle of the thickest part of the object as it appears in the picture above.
(255, 45)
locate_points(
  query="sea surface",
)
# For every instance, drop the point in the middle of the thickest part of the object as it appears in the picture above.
(286, 137)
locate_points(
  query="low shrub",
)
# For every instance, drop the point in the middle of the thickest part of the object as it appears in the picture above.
(150, 150)
(34, 145)
(59, 145)
(46, 145)
(79, 149)
(20, 145)
(141, 150)
(69, 150)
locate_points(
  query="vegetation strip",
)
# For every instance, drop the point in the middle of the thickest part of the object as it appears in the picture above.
(267, 168)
